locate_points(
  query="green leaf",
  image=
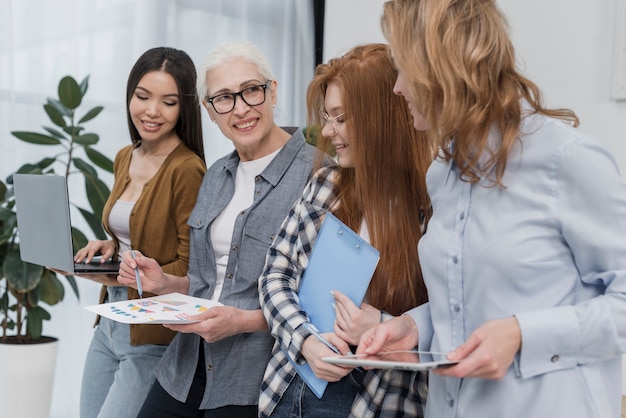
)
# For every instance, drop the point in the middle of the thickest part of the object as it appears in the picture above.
(85, 167)
(22, 277)
(34, 323)
(55, 115)
(51, 290)
(35, 138)
(91, 114)
(60, 107)
(3, 190)
(8, 223)
(30, 169)
(73, 285)
(70, 93)
(99, 159)
(87, 139)
(32, 299)
(46, 162)
(4, 302)
(55, 133)
(73, 131)
(84, 85)
(95, 223)
(79, 240)
(97, 194)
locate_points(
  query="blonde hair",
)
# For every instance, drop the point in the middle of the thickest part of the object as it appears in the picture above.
(459, 61)
(386, 186)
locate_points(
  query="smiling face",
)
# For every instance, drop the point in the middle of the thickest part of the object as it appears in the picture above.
(249, 127)
(337, 129)
(155, 107)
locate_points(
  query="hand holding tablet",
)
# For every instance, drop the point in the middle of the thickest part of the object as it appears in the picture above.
(400, 360)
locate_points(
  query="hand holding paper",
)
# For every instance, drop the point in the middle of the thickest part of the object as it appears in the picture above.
(221, 322)
(171, 308)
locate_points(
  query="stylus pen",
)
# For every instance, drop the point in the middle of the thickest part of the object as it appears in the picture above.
(319, 336)
(137, 278)
(327, 343)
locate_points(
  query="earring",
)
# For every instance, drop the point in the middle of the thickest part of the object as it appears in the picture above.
(274, 105)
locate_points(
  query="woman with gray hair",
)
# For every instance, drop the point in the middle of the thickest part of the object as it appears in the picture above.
(215, 367)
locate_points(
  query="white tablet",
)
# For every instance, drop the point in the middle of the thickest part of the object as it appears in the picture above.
(401, 360)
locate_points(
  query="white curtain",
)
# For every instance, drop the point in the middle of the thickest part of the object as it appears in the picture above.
(43, 40)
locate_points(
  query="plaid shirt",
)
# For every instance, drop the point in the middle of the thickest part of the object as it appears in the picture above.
(385, 393)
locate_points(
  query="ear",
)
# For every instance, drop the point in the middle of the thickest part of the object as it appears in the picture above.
(273, 90)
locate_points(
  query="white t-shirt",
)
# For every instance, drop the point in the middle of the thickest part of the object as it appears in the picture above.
(224, 224)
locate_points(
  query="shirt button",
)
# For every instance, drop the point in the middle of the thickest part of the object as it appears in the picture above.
(457, 308)
(462, 216)
(234, 248)
(229, 276)
(257, 192)
(455, 259)
(209, 367)
(554, 358)
(242, 212)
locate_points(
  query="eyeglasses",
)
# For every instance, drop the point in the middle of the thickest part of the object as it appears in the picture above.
(252, 96)
(326, 119)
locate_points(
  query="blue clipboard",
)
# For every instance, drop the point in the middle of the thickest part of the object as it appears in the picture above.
(340, 260)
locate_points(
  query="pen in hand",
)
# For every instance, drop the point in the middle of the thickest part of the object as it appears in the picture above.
(319, 336)
(132, 253)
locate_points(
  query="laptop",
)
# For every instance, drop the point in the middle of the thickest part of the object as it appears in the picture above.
(43, 222)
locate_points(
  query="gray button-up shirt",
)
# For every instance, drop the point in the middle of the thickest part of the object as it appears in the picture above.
(235, 365)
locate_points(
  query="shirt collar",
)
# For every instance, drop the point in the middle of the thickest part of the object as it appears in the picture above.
(277, 168)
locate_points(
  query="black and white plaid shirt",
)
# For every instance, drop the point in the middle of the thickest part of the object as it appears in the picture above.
(385, 393)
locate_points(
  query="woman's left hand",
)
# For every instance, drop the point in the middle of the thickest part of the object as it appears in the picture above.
(352, 321)
(488, 352)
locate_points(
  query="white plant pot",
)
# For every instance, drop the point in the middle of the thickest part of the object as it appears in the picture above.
(26, 379)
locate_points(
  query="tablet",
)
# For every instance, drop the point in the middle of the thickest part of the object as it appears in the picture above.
(400, 360)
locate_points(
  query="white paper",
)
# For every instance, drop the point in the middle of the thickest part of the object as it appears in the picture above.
(173, 308)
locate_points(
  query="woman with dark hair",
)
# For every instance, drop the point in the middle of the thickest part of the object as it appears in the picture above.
(379, 191)
(157, 179)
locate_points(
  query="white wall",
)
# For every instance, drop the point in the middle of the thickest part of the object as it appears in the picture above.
(566, 47)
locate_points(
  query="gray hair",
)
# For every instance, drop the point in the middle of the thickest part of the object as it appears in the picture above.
(228, 51)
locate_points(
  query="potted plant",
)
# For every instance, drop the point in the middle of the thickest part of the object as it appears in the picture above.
(25, 287)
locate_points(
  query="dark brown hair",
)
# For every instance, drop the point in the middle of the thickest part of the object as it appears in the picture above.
(181, 67)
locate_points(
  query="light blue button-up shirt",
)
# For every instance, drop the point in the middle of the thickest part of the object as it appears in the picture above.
(550, 249)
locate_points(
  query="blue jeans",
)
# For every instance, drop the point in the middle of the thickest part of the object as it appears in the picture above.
(117, 376)
(299, 402)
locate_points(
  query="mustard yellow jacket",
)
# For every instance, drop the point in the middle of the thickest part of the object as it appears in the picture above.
(158, 221)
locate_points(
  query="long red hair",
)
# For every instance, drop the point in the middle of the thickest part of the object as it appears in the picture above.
(386, 186)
